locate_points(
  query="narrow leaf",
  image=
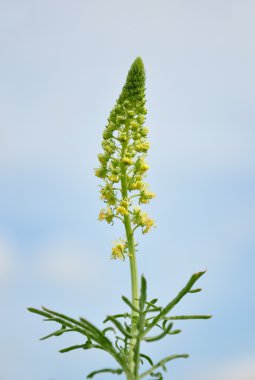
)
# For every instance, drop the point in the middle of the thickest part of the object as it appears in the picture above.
(129, 303)
(40, 312)
(117, 371)
(175, 332)
(58, 333)
(161, 363)
(120, 327)
(125, 315)
(143, 294)
(83, 346)
(147, 358)
(160, 336)
(175, 301)
(195, 290)
(182, 317)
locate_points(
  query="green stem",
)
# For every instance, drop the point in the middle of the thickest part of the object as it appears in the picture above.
(133, 271)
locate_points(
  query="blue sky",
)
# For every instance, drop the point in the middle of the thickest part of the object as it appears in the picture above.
(63, 64)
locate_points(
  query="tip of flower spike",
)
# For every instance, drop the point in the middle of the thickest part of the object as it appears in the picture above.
(135, 82)
(138, 62)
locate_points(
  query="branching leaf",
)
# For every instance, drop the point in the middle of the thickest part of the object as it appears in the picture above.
(175, 301)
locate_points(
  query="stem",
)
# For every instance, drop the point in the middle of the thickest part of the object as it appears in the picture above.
(133, 271)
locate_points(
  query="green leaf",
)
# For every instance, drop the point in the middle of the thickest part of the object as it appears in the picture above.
(88, 345)
(175, 301)
(120, 327)
(58, 333)
(175, 332)
(117, 371)
(93, 329)
(160, 336)
(40, 312)
(161, 363)
(129, 303)
(67, 349)
(183, 317)
(108, 329)
(158, 375)
(63, 318)
(147, 358)
(195, 290)
(125, 315)
(152, 302)
(143, 294)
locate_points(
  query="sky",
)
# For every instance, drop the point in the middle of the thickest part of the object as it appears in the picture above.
(63, 64)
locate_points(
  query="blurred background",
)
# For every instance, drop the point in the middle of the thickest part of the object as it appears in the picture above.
(63, 64)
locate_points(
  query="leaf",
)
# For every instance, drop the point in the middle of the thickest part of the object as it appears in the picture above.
(67, 349)
(125, 315)
(152, 302)
(147, 358)
(153, 310)
(195, 290)
(175, 301)
(160, 336)
(129, 303)
(158, 375)
(108, 329)
(117, 371)
(162, 363)
(58, 333)
(183, 317)
(40, 312)
(120, 327)
(175, 332)
(62, 318)
(143, 294)
(90, 327)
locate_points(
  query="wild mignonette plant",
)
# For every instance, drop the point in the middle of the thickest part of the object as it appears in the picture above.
(122, 169)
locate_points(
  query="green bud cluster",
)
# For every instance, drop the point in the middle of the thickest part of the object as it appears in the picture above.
(125, 146)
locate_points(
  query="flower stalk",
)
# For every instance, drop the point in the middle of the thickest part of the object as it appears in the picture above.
(123, 168)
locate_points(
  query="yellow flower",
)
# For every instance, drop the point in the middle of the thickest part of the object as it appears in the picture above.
(118, 250)
(122, 210)
(114, 178)
(123, 207)
(127, 161)
(142, 219)
(144, 167)
(137, 185)
(106, 215)
(142, 147)
(146, 222)
(146, 196)
(101, 215)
